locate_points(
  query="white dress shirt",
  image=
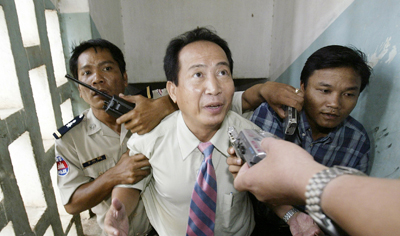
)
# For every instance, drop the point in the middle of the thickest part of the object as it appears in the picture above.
(175, 160)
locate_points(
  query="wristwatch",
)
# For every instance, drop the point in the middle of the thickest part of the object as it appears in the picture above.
(289, 214)
(314, 191)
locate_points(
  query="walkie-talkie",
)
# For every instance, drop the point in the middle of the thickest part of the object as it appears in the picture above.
(114, 106)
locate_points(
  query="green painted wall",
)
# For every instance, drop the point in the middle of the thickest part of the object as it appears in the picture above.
(372, 27)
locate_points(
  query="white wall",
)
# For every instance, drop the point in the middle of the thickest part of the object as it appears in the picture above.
(148, 26)
(296, 25)
(265, 36)
(108, 21)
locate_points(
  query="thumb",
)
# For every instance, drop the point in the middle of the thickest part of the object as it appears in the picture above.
(281, 112)
(117, 204)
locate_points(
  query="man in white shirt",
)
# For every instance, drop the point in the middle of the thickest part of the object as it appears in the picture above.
(89, 151)
(198, 66)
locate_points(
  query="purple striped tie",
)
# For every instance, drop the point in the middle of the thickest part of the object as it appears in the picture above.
(204, 197)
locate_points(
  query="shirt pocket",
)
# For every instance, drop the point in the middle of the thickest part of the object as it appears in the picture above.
(232, 209)
(94, 168)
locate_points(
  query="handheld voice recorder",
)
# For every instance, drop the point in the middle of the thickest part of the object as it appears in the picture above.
(247, 144)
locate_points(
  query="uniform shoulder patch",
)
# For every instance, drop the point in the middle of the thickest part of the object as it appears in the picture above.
(63, 130)
(62, 166)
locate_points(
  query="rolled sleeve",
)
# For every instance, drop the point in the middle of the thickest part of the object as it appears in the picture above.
(75, 177)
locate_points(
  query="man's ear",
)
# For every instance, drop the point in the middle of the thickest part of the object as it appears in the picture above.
(302, 87)
(171, 88)
(125, 78)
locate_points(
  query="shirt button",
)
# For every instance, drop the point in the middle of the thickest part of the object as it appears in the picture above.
(303, 134)
(92, 126)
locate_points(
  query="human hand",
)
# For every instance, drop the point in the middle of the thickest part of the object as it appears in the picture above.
(281, 177)
(234, 162)
(278, 94)
(130, 169)
(302, 224)
(116, 220)
(143, 118)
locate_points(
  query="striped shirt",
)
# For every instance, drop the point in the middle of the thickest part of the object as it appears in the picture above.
(347, 145)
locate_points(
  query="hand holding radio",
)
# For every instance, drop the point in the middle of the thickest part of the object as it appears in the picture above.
(278, 94)
(147, 114)
(114, 105)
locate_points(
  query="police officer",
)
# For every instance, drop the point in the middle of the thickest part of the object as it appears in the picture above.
(91, 152)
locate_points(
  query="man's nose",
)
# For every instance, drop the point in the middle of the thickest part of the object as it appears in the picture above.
(213, 85)
(97, 78)
(334, 101)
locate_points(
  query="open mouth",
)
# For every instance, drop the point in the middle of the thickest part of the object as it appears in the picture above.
(214, 106)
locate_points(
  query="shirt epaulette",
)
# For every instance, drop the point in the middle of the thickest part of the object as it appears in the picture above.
(63, 130)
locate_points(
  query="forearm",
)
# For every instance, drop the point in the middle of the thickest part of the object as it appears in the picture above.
(128, 196)
(362, 205)
(90, 194)
(276, 94)
(87, 196)
(252, 98)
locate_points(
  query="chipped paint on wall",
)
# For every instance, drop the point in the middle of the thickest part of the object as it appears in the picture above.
(392, 54)
(382, 50)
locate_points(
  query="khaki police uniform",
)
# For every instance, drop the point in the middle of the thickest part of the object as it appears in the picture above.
(85, 149)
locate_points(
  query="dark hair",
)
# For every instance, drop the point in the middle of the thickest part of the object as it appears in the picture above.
(116, 53)
(335, 56)
(171, 59)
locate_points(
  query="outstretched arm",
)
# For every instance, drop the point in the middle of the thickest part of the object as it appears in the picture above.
(360, 205)
(124, 201)
(147, 113)
(275, 94)
(300, 223)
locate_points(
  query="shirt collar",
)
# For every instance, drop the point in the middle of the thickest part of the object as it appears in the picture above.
(304, 125)
(221, 138)
(189, 142)
(94, 125)
(124, 133)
